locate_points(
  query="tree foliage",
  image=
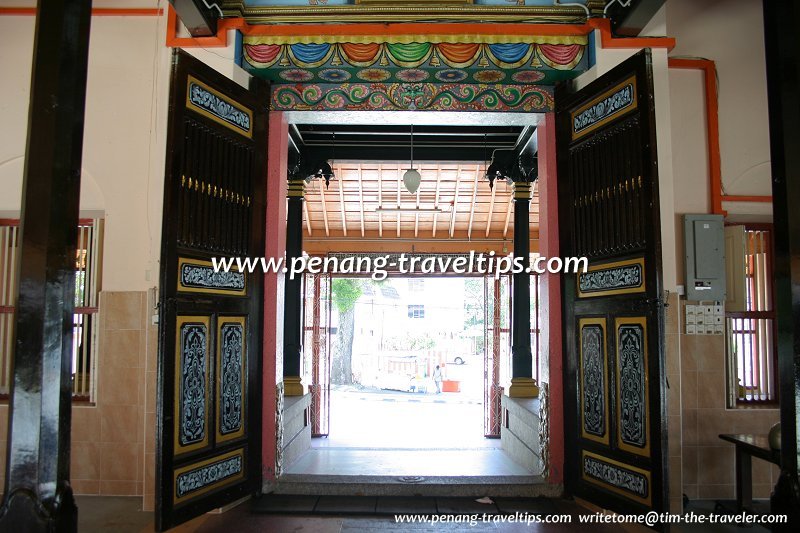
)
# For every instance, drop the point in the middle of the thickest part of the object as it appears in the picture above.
(346, 292)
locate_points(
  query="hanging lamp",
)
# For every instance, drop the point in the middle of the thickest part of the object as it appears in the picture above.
(412, 178)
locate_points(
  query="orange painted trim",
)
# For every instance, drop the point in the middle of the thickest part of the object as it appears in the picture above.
(756, 199)
(712, 124)
(220, 40)
(415, 29)
(602, 25)
(607, 40)
(97, 12)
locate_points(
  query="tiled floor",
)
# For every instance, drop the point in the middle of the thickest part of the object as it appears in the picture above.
(390, 419)
(243, 520)
(386, 462)
(313, 514)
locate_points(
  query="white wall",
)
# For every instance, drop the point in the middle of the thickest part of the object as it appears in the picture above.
(731, 34)
(124, 136)
(121, 167)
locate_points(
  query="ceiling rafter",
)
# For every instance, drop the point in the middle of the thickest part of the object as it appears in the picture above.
(322, 193)
(308, 218)
(398, 200)
(478, 215)
(472, 209)
(380, 199)
(341, 201)
(361, 196)
(455, 204)
(416, 216)
(508, 215)
(436, 198)
(491, 211)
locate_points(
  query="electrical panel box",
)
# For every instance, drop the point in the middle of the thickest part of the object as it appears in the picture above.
(705, 257)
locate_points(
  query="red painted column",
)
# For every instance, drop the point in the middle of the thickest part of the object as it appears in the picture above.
(277, 169)
(550, 338)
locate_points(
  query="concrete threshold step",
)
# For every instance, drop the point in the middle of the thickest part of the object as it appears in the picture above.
(433, 486)
(390, 505)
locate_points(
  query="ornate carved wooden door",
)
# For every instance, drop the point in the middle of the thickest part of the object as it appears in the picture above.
(609, 212)
(209, 403)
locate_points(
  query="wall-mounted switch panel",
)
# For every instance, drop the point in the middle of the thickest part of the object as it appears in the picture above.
(704, 319)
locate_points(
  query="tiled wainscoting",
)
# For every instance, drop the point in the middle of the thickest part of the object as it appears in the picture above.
(673, 367)
(109, 447)
(708, 462)
(113, 441)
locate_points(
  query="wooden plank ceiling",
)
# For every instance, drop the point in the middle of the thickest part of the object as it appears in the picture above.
(358, 211)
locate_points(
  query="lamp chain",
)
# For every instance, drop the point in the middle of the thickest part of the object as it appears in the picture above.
(412, 146)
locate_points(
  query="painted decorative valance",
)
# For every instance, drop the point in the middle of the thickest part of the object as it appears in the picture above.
(415, 71)
(522, 60)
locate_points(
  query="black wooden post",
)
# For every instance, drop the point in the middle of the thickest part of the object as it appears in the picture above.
(783, 85)
(38, 496)
(522, 382)
(293, 305)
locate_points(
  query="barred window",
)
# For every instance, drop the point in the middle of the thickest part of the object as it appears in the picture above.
(87, 288)
(416, 311)
(751, 349)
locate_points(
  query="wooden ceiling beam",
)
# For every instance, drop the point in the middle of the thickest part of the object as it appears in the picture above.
(472, 209)
(341, 202)
(380, 199)
(436, 197)
(416, 215)
(305, 212)
(491, 212)
(455, 204)
(324, 210)
(398, 200)
(361, 197)
(407, 233)
(508, 215)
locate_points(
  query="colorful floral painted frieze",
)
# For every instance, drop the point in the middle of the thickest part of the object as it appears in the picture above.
(411, 96)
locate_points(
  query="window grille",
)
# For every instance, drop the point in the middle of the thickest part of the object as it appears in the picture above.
(87, 288)
(416, 311)
(752, 365)
(9, 235)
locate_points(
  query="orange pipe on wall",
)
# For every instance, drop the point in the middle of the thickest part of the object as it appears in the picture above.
(712, 124)
(758, 199)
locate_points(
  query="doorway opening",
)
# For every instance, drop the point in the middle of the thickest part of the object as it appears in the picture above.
(407, 363)
(378, 404)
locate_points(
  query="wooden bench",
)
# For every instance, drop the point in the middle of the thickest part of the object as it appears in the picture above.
(747, 447)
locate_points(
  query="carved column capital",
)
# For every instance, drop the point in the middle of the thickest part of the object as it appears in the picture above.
(297, 188)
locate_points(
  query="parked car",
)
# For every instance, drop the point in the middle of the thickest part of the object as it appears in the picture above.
(459, 360)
